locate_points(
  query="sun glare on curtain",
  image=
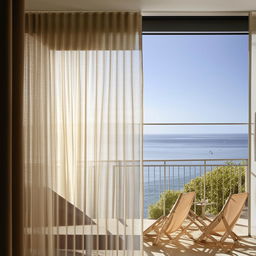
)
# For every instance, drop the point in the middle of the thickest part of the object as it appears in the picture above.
(83, 134)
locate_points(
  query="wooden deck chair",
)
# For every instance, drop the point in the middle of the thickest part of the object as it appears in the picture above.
(224, 222)
(166, 225)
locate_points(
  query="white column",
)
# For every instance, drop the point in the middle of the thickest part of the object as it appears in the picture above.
(252, 127)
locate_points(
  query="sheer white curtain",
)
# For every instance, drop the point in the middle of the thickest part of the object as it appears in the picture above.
(83, 134)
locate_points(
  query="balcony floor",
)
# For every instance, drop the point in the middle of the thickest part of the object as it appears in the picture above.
(187, 247)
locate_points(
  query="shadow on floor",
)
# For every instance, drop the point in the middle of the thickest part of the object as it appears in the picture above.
(188, 247)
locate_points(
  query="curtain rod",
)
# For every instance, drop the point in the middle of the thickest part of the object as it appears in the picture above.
(150, 13)
(220, 13)
(59, 11)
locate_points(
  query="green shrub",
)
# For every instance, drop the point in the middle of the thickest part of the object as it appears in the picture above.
(156, 210)
(220, 183)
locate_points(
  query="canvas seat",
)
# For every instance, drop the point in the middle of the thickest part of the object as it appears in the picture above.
(222, 225)
(165, 226)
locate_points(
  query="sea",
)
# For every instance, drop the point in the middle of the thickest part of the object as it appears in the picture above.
(184, 147)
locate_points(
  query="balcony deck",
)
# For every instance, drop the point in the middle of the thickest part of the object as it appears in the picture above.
(187, 247)
(183, 247)
(162, 175)
(159, 176)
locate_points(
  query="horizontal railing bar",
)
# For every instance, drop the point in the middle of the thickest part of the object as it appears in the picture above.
(196, 123)
(173, 160)
(182, 165)
(185, 165)
(190, 160)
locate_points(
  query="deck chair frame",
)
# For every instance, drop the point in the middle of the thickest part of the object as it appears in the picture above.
(207, 229)
(161, 224)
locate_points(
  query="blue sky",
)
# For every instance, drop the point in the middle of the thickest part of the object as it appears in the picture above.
(198, 78)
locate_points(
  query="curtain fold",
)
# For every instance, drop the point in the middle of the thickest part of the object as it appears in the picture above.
(82, 122)
(11, 157)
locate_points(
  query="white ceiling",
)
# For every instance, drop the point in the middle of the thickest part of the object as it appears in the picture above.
(147, 6)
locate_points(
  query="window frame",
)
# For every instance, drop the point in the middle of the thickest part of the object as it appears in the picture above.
(195, 24)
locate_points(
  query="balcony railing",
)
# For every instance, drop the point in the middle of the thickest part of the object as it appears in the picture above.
(212, 180)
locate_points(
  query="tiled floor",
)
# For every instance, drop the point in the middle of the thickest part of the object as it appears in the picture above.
(187, 247)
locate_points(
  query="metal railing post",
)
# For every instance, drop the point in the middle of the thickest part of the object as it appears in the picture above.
(204, 179)
(164, 186)
(158, 170)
